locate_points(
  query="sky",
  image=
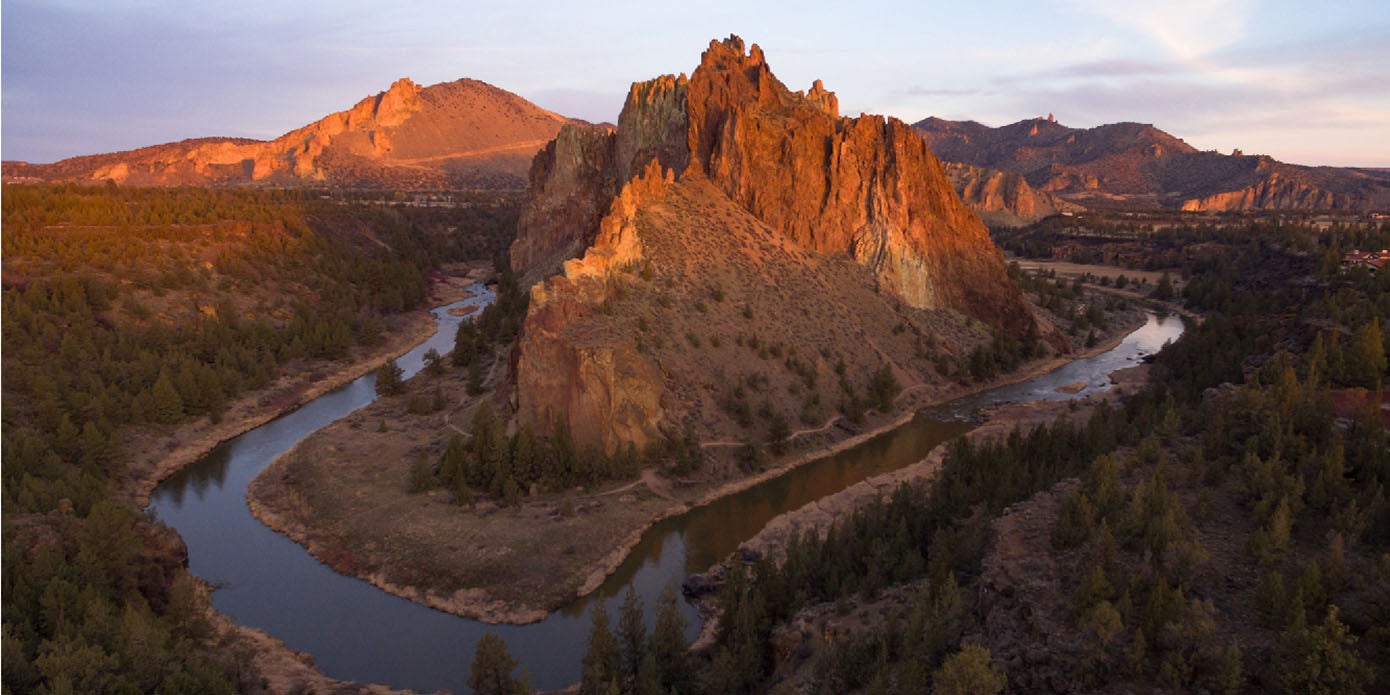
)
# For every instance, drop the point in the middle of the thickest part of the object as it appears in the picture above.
(1305, 82)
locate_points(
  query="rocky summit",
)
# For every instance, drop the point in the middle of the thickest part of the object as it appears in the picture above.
(461, 134)
(726, 214)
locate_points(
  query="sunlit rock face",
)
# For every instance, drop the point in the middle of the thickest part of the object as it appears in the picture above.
(865, 189)
(1136, 165)
(464, 133)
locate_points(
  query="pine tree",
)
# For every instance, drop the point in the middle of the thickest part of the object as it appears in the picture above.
(602, 658)
(632, 635)
(434, 363)
(668, 644)
(491, 670)
(1323, 659)
(968, 672)
(1366, 355)
(1164, 290)
(388, 379)
(166, 407)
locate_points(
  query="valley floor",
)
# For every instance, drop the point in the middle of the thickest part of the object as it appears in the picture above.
(342, 494)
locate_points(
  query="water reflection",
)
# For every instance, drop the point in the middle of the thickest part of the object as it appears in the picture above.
(357, 632)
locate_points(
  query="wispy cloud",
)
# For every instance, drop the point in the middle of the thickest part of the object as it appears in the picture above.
(920, 91)
(1185, 29)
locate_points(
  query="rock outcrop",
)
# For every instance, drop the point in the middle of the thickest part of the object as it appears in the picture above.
(590, 373)
(462, 134)
(866, 186)
(572, 181)
(1138, 165)
(1001, 198)
(766, 178)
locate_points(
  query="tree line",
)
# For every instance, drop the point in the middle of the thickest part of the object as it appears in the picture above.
(126, 308)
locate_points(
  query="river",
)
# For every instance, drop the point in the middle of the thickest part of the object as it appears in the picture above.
(357, 632)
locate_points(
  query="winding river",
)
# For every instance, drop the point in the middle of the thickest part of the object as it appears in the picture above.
(357, 632)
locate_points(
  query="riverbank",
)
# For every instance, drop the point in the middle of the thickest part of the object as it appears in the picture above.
(817, 517)
(340, 493)
(160, 452)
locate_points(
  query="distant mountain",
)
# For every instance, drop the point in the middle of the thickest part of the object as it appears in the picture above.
(462, 134)
(1135, 165)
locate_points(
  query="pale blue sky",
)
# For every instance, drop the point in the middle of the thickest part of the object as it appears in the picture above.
(1305, 82)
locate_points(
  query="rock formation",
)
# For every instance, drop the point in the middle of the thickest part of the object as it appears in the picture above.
(1001, 198)
(462, 134)
(766, 177)
(1138, 165)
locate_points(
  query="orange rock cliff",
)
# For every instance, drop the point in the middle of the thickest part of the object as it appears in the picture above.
(866, 189)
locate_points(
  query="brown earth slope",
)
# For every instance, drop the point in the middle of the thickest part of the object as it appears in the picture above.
(744, 210)
(462, 134)
(1138, 165)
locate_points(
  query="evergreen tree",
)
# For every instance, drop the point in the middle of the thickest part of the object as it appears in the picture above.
(1164, 290)
(668, 644)
(1365, 356)
(968, 672)
(491, 670)
(166, 407)
(632, 635)
(777, 433)
(1323, 660)
(883, 388)
(388, 379)
(434, 363)
(602, 657)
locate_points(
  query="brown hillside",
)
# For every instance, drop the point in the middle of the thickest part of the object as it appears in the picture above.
(462, 134)
(1138, 165)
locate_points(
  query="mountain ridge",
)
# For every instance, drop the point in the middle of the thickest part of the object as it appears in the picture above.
(460, 134)
(1138, 165)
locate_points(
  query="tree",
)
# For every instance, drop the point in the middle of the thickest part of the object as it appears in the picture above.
(491, 671)
(465, 345)
(777, 433)
(1164, 290)
(388, 379)
(668, 645)
(434, 363)
(599, 668)
(1322, 660)
(883, 388)
(632, 635)
(968, 672)
(166, 407)
(1365, 357)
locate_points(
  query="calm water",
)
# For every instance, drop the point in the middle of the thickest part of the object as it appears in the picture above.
(357, 632)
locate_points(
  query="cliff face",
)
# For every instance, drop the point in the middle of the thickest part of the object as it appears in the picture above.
(573, 365)
(572, 181)
(1272, 193)
(1138, 165)
(455, 134)
(744, 156)
(867, 186)
(1001, 198)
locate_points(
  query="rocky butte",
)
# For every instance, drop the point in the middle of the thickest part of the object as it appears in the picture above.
(461, 134)
(733, 239)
